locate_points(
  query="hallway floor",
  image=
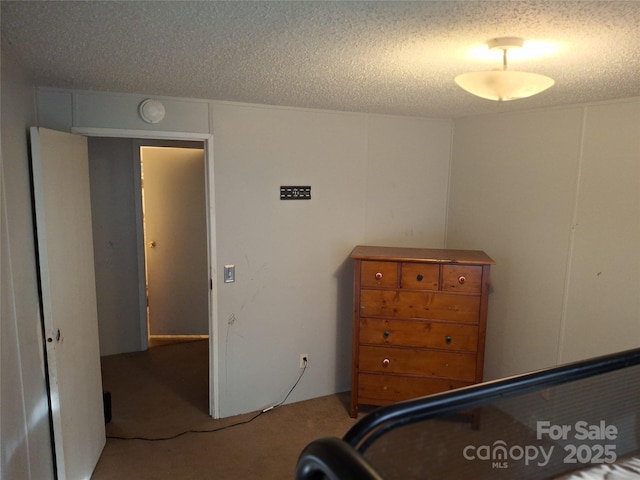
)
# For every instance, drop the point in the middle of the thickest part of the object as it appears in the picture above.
(163, 393)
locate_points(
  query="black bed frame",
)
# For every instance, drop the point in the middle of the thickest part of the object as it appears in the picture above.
(341, 459)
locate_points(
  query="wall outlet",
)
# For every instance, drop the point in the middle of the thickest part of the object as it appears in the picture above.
(304, 360)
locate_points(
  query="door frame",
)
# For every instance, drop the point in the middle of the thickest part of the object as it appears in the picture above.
(207, 139)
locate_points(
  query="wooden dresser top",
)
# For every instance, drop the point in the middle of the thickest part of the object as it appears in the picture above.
(426, 255)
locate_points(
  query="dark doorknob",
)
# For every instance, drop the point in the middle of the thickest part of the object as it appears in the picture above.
(49, 339)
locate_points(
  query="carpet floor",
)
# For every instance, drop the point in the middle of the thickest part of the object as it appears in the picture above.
(160, 394)
(163, 392)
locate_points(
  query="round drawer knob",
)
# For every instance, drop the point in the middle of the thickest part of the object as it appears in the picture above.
(419, 277)
(461, 280)
(386, 334)
(378, 276)
(386, 362)
(448, 339)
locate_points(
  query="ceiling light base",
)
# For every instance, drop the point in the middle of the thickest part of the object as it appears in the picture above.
(506, 43)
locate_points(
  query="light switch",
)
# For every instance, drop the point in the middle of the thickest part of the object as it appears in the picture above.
(229, 273)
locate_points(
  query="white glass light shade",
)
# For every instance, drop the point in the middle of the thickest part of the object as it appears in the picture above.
(503, 85)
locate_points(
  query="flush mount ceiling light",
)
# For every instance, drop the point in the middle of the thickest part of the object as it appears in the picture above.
(503, 85)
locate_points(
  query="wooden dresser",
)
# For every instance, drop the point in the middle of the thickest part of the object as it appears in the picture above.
(419, 322)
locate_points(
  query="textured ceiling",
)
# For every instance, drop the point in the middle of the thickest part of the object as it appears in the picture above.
(386, 57)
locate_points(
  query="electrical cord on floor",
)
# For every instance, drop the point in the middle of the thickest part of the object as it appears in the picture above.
(304, 369)
(244, 422)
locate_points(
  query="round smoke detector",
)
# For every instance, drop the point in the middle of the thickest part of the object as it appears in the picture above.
(151, 111)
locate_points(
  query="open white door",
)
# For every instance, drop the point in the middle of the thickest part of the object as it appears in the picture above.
(67, 277)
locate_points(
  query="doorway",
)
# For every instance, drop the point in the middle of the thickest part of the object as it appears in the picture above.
(120, 253)
(172, 184)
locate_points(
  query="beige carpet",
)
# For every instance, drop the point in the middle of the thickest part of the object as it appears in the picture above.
(163, 392)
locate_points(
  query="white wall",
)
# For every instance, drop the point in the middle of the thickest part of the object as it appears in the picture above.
(603, 300)
(406, 187)
(553, 196)
(113, 211)
(374, 179)
(25, 447)
(293, 292)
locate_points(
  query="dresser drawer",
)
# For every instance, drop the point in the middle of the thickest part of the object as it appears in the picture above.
(420, 276)
(385, 389)
(379, 274)
(461, 278)
(413, 361)
(418, 333)
(436, 306)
